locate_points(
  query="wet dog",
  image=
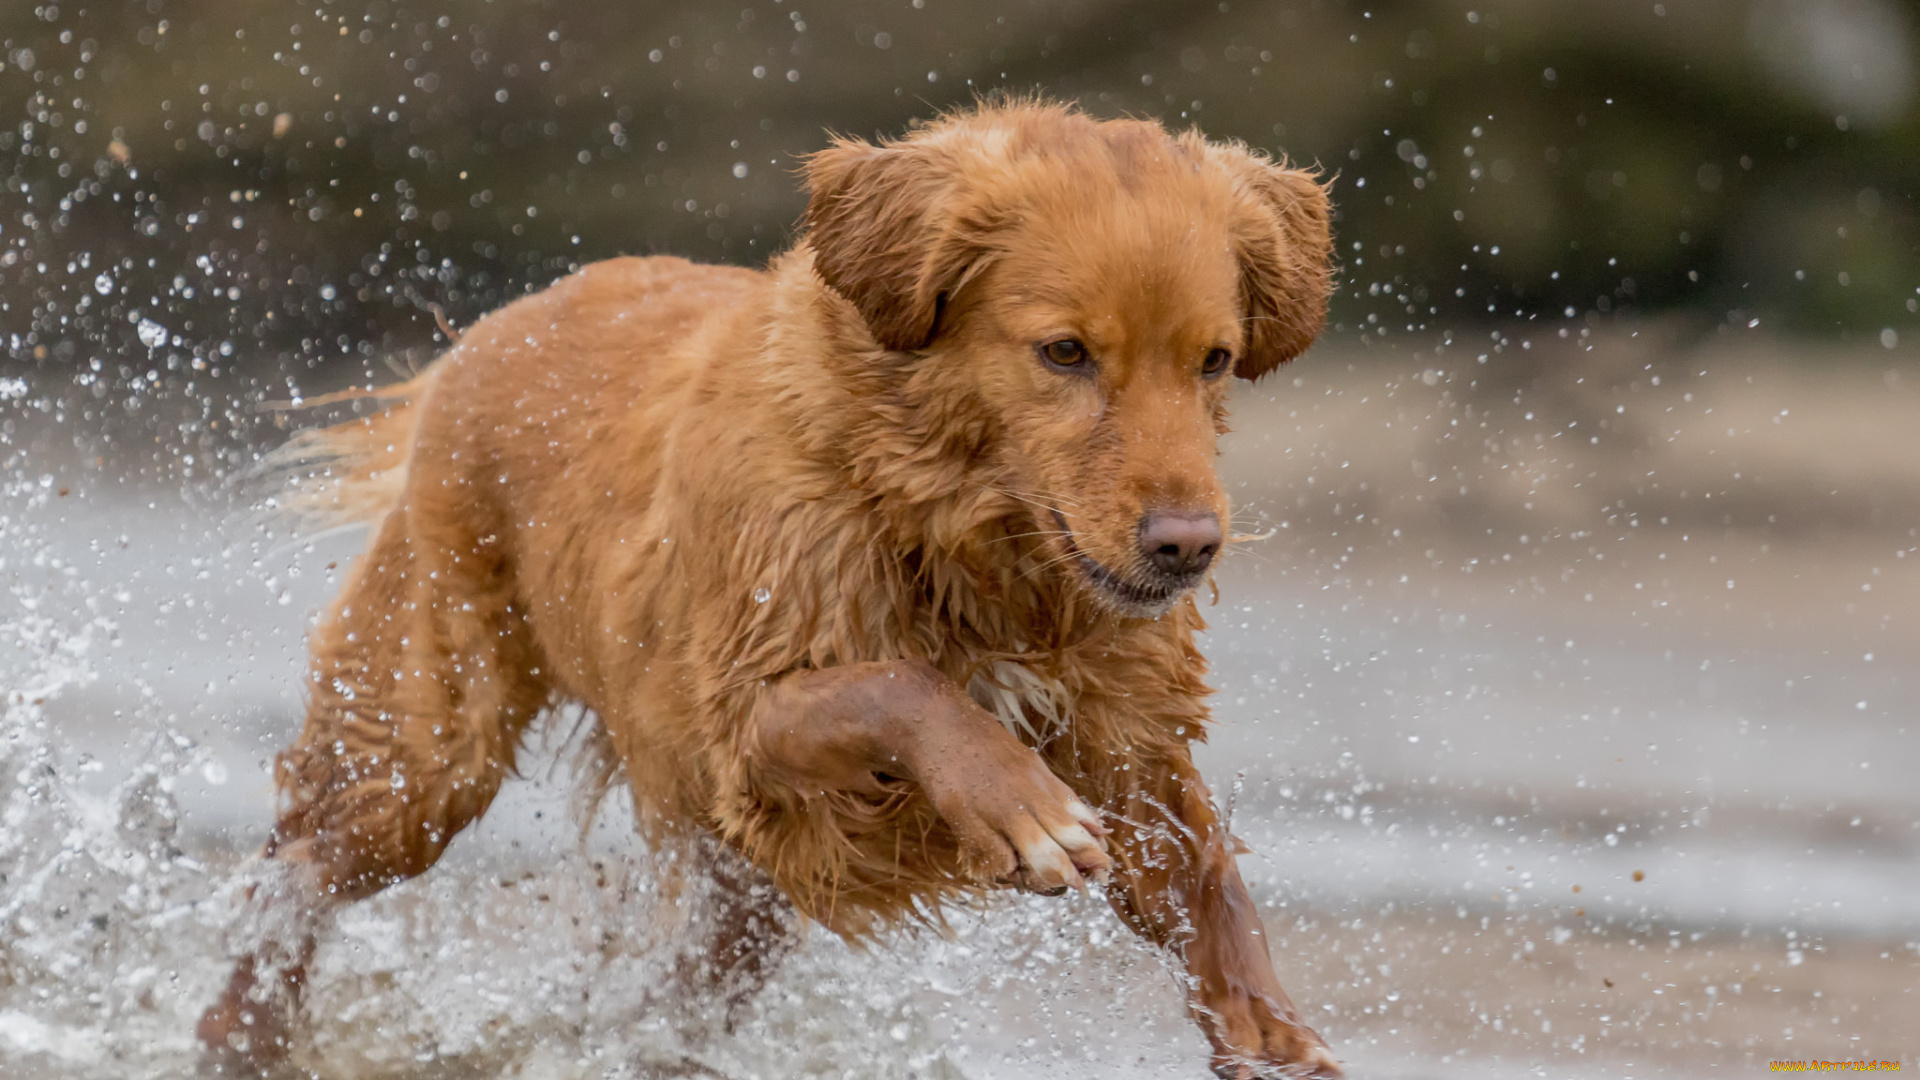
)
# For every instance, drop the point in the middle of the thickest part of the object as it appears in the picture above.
(876, 567)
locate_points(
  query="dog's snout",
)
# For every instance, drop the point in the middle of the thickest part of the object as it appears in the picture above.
(1180, 544)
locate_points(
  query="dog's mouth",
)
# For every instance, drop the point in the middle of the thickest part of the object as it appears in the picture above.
(1129, 596)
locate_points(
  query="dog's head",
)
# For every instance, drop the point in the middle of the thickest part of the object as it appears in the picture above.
(1096, 285)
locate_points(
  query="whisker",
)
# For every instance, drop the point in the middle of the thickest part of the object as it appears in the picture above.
(1048, 564)
(1253, 553)
(1057, 560)
(1246, 527)
(1024, 499)
(1017, 536)
(1047, 495)
(1040, 499)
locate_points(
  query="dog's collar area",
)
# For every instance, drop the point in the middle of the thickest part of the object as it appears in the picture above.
(1149, 598)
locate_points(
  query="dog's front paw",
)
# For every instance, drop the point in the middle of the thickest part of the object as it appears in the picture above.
(1019, 825)
(1255, 1039)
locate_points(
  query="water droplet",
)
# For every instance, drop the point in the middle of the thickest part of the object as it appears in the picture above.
(103, 284)
(762, 594)
(152, 334)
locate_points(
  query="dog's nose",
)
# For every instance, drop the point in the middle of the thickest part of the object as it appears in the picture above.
(1180, 544)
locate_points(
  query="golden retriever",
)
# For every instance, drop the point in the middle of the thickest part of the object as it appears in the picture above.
(876, 566)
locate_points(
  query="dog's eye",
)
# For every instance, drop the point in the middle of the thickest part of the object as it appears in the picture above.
(1217, 361)
(1066, 353)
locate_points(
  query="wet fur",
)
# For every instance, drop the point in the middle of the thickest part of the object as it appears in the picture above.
(657, 488)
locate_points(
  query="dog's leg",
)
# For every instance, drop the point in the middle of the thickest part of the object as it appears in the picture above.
(846, 728)
(422, 682)
(1176, 884)
(743, 931)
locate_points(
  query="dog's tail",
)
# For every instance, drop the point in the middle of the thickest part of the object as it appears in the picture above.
(346, 474)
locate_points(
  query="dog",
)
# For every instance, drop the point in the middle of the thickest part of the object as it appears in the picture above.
(875, 568)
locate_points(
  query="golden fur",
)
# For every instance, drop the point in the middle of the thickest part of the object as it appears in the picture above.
(668, 491)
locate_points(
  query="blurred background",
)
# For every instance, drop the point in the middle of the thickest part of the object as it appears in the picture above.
(1570, 702)
(299, 180)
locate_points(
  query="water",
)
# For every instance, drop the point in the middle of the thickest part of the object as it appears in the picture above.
(1538, 784)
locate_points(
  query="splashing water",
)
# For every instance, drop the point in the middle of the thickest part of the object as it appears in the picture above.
(519, 955)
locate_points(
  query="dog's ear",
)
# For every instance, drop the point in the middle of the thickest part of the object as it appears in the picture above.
(1286, 256)
(878, 222)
